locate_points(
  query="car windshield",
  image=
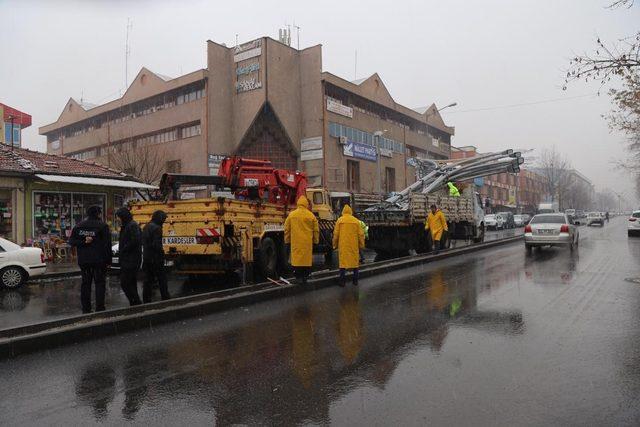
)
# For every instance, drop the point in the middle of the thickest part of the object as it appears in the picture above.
(636, 214)
(548, 219)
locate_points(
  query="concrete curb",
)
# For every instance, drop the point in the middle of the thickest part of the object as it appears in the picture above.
(30, 338)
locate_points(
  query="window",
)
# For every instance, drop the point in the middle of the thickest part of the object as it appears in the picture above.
(189, 131)
(390, 180)
(317, 198)
(174, 166)
(353, 175)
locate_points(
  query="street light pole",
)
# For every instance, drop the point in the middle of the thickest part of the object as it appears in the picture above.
(426, 119)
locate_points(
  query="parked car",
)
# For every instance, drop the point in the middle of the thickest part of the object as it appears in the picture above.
(17, 264)
(633, 228)
(519, 220)
(115, 259)
(493, 222)
(553, 229)
(508, 219)
(595, 218)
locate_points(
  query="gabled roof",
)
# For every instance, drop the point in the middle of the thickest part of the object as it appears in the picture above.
(27, 162)
(145, 85)
(374, 89)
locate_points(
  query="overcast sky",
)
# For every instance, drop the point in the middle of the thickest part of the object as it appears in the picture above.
(486, 55)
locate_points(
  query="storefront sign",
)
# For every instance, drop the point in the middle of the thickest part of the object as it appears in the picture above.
(386, 152)
(248, 69)
(337, 107)
(213, 162)
(311, 143)
(248, 54)
(247, 85)
(311, 155)
(360, 151)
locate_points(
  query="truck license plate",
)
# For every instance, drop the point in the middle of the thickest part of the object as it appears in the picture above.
(179, 240)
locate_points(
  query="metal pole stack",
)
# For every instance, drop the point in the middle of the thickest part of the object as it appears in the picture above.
(437, 174)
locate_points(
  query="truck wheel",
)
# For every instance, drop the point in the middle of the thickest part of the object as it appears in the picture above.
(480, 238)
(268, 258)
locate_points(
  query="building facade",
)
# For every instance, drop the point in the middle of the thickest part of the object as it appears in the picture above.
(156, 126)
(262, 99)
(12, 122)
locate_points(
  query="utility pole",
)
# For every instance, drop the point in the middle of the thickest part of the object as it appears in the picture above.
(127, 51)
(376, 136)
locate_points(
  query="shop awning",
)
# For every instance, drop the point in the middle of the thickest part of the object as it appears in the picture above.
(106, 182)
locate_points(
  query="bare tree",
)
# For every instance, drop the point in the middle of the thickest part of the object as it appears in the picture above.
(556, 170)
(147, 162)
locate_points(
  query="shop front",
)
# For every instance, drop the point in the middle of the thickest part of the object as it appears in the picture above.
(12, 208)
(55, 208)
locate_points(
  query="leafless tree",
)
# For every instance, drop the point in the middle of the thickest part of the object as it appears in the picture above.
(146, 163)
(556, 169)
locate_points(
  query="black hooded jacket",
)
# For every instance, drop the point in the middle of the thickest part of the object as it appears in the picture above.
(98, 252)
(129, 242)
(152, 238)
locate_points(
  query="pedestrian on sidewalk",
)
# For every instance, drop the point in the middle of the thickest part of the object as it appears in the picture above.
(348, 239)
(92, 240)
(436, 224)
(153, 258)
(301, 231)
(130, 254)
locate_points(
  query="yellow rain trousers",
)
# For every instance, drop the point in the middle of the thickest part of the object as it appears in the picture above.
(301, 231)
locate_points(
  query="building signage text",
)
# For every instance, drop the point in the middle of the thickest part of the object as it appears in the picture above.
(213, 163)
(311, 155)
(247, 85)
(248, 69)
(311, 143)
(338, 108)
(249, 45)
(252, 53)
(360, 151)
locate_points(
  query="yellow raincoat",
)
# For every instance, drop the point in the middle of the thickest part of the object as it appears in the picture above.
(348, 239)
(301, 231)
(436, 224)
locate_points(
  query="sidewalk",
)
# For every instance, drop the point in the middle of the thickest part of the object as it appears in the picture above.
(58, 270)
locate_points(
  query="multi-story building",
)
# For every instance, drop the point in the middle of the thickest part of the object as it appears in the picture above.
(263, 99)
(11, 124)
(521, 192)
(156, 126)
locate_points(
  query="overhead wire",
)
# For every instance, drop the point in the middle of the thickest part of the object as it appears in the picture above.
(523, 104)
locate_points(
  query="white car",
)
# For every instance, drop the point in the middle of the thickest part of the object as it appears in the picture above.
(633, 229)
(554, 229)
(595, 218)
(115, 260)
(17, 264)
(493, 222)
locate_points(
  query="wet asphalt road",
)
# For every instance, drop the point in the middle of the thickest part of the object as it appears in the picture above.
(60, 298)
(490, 338)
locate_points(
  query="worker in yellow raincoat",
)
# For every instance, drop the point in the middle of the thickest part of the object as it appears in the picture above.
(301, 231)
(436, 224)
(348, 239)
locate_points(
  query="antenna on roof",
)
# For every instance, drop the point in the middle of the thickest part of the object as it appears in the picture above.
(236, 46)
(284, 35)
(297, 33)
(127, 51)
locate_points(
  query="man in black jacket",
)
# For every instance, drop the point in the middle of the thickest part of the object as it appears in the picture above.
(130, 253)
(153, 256)
(92, 238)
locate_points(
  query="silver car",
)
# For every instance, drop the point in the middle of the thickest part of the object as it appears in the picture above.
(552, 229)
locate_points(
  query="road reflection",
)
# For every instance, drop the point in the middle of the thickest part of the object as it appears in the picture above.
(290, 367)
(551, 266)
